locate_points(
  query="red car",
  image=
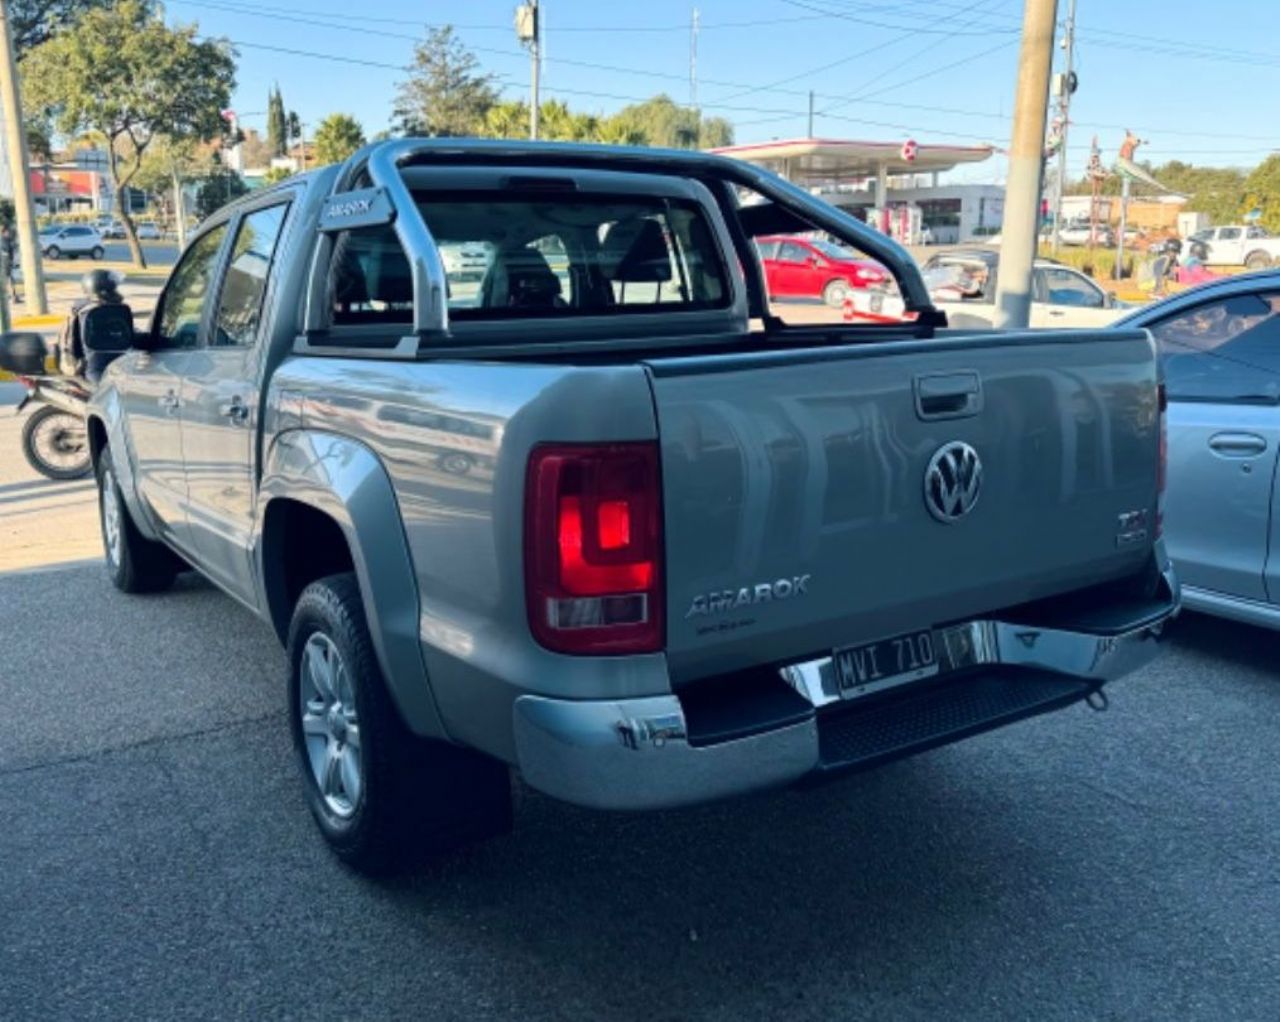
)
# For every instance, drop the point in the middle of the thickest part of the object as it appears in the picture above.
(801, 268)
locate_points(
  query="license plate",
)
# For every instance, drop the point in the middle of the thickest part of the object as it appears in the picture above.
(874, 666)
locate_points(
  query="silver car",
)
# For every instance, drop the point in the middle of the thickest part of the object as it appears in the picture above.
(1220, 346)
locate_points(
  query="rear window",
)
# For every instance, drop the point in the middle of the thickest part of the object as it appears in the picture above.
(526, 256)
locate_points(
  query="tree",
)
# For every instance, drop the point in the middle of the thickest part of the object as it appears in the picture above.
(255, 150)
(338, 136)
(661, 121)
(126, 75)
(276, 174)
(446, 94)
(1262, 191)
(218, 189)
(37, 21)
(277, 125)
(167, 166)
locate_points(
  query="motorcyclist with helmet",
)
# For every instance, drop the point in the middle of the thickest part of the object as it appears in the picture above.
(99, 328)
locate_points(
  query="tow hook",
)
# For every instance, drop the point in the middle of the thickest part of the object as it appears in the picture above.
(1097, 700)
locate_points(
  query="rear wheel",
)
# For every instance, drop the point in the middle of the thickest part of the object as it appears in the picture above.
(1258, 260)
(384, 798)
(55, 444)
(98, 252)
(134, 563)
(835, 293)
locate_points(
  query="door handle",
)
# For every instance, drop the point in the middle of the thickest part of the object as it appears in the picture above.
(948, 395)
(1238, 445)
(235, 410)
(170, 402)
(1056, 312)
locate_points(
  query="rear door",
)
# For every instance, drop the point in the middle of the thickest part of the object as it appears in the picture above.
(796, 486)
(221, 403)
(792, 271)
(152, 390)
(1222, 369)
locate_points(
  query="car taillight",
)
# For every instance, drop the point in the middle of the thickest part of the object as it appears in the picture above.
(1162, 469)
(593, 548)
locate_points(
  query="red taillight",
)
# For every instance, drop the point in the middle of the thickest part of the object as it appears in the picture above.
(1162, 470)
(593, 548)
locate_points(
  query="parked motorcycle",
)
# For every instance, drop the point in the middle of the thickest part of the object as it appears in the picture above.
(54, 440)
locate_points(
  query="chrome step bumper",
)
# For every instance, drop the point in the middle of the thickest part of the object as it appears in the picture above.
(644, 754)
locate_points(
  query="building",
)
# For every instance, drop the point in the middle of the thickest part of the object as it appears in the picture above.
(894, 186)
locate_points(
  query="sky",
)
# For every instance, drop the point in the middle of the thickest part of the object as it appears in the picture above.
(1199, 80)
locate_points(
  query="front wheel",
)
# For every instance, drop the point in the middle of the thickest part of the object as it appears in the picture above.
(53, 252)
(384, 798)
(55, 444)
(835, 293)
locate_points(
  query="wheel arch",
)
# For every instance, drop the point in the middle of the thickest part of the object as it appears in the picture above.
(318, 489)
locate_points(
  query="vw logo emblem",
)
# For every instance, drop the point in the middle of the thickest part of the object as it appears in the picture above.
(952, 482)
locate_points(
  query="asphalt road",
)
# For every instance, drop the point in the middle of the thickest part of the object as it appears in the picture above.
(157, 860)
(158, 253)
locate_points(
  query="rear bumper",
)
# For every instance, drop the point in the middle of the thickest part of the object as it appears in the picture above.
(648, 753)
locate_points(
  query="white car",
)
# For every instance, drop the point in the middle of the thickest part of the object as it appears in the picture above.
(1236, 245)
(465, 260)
(149, 232)
(962, 282)
(72, 240)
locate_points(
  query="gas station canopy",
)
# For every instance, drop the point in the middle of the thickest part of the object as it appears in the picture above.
(812, 161)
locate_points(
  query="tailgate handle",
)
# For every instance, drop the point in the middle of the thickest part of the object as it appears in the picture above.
(948, 395)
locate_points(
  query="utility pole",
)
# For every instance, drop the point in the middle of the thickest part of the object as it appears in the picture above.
(1064, 110)
(693, 61)
(1026, 165)
(535, 50)
(810, 135)
(20, 170)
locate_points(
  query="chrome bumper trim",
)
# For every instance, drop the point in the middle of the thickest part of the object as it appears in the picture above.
(635, 753)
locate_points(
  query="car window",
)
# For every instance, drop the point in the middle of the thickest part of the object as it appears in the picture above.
(561, 256)
(183, 302)
(1062, 287)
(1229, 233)
(240, 302)
(768, 249)
(793, 253)
(1227, 349)
(1256, 232)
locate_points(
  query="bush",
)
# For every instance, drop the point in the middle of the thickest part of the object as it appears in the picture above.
(1099, 263)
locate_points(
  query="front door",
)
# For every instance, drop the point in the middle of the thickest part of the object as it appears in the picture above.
(221, 406)
(791, 271)
(1222, 369)
(1065, 299)
(152, 388)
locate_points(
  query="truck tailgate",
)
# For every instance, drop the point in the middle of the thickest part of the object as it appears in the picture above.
(796, 517)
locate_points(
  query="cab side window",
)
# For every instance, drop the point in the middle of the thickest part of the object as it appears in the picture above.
(245, 286)
(181, 308)
(1062, 287)
(793, 253)
(1227, 349)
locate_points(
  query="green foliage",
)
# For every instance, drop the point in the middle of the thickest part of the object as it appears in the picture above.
(123, 74)
(1217, 191)
(657, 122)
(338, 136)
(276, 174)
(277, 123)
(37, 21)
(446, 93)
(218, 189)
(663, 122)
(1262, 191)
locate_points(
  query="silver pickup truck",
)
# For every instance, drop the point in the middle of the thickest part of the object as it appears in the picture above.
(590, 510)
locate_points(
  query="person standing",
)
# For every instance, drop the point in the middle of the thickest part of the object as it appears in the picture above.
(9, 251)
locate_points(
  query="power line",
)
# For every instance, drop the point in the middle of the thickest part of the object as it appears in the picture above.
(920, 29)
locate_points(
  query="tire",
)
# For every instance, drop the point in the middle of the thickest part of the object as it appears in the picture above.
(389, 800)
(835, 293)
(98, 252)
(1257, 260)
(53, 252)
(135, 564)
(56, 444)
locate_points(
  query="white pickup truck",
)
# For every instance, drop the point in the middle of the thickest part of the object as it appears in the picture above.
(1237, 245)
